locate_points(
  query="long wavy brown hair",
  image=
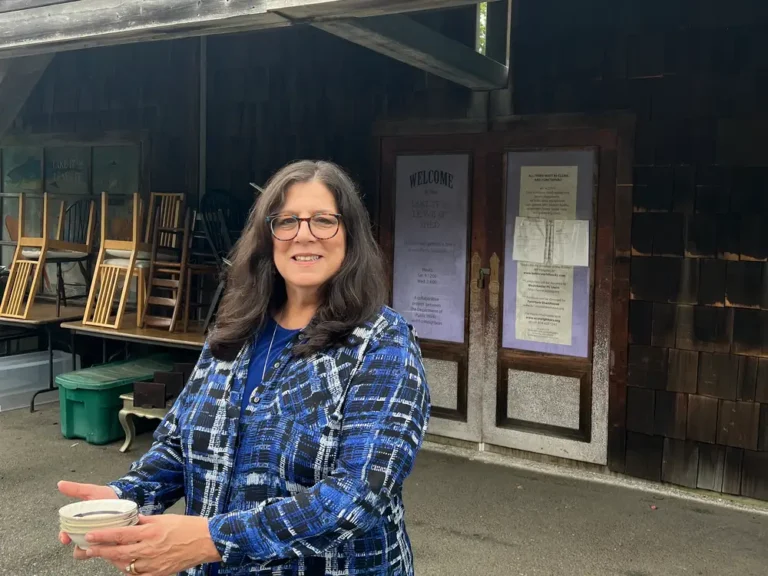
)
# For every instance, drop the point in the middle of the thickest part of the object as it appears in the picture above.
(255, 289)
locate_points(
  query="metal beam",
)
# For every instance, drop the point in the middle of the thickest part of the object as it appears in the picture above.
(318, 10)
(17, 79)
(153, 35)
(13, 5)
(90, 23)
(404, 39)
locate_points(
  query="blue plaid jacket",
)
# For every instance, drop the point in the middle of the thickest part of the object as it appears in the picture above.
(311, 484)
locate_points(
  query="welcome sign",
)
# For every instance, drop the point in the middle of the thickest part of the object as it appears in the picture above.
(430, 265)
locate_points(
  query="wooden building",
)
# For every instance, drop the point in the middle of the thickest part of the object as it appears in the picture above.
(574, 220)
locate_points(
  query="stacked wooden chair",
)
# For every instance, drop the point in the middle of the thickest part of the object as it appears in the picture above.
(73, 243)
(120, 261)
(113, 275)
(12, 227)
(167, 271)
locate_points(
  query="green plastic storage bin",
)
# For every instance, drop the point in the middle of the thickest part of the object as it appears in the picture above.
(90, 398)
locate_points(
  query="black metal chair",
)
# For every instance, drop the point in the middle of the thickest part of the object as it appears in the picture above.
(234, 209)
(217, 234)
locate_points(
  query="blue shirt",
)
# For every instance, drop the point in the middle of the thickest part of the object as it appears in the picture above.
(261, 363)
(309, 481)
(267, 347)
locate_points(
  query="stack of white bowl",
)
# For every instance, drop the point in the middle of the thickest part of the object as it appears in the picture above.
(80, 518)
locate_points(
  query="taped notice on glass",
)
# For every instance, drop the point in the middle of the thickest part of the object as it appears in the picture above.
(570, 243)
(548, 191)
(530, 242)
(544, 303)
(555, 242)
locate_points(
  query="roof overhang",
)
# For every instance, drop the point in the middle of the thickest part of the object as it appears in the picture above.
(43, 27)
(86, 23)
(404, 39)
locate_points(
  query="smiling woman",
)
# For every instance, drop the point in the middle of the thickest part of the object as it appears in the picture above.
(304, 414)
(296, 248)
(306, 257)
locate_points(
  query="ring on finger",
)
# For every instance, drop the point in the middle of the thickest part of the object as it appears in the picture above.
(131, 568)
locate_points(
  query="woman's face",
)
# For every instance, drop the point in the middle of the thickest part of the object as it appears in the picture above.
(307, 261)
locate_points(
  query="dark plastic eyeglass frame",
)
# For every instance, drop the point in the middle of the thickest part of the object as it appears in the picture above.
(271, 219)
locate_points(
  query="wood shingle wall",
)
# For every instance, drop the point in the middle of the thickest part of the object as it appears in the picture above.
(697, 402)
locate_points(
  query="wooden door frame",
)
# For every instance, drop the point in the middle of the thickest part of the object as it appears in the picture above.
(613, 229)
(590, 371)
(390, 149)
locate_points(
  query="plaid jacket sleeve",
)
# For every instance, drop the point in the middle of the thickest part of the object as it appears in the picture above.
(156, 481)
(384, 419)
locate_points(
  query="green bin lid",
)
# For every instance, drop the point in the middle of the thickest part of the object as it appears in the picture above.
(115, 374)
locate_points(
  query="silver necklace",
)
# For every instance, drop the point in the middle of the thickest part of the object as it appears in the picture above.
(269, 351)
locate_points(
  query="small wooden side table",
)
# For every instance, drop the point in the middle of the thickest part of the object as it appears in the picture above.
(127, 414)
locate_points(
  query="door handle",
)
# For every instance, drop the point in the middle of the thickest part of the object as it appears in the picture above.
(481, 276)
(494, 286)
(474, 273)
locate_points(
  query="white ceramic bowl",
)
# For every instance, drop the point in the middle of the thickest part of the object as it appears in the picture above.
(95, 511)
(98, 520)
(67, 526)
(78, 537)
(80, 518)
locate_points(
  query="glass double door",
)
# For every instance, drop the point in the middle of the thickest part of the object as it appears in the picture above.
(501, 254)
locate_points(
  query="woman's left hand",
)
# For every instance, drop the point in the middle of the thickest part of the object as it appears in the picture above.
(157, 545)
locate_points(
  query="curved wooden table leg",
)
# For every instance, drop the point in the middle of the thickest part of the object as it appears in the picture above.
(126, 421)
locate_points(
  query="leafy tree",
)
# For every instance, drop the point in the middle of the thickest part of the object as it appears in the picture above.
(482, 21)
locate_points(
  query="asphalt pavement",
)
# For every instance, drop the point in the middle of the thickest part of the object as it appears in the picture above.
(466, 516)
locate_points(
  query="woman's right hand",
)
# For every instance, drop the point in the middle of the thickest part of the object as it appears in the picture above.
(83, 492)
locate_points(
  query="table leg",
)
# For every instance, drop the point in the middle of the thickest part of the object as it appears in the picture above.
(126, 421)
(72, 348)
(51, 379)
(59, 286)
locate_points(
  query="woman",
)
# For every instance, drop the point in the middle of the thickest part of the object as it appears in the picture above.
(302, 418)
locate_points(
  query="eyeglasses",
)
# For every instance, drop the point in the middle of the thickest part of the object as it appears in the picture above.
(321, 226)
